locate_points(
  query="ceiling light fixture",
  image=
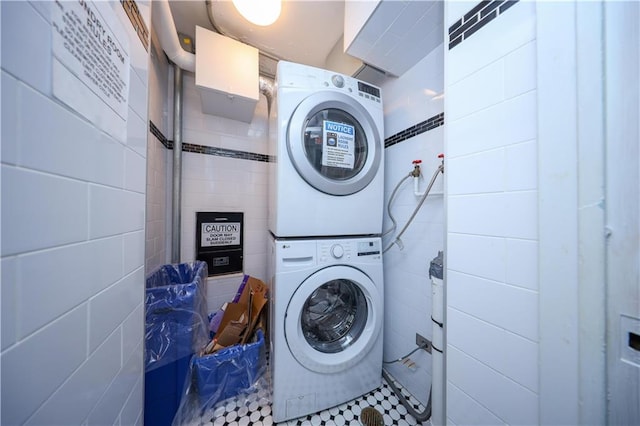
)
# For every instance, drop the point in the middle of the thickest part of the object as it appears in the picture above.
(259, 12)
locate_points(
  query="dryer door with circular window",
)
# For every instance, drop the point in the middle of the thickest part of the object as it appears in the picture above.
(334, 144)
(333, 319)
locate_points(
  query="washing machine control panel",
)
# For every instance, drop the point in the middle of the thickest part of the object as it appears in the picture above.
(369, 248)
(332, 251)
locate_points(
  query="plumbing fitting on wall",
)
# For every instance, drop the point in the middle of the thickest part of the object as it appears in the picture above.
(416, 171)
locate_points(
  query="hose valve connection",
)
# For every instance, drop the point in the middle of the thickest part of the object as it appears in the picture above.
(416, 168)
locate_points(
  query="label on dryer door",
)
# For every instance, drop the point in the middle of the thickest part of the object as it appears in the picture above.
(339, 144)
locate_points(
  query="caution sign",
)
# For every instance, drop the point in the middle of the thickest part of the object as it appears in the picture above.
(220, 234)
(219, 241)
(339, 144)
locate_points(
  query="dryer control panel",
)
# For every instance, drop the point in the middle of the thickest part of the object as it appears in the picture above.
(308, 78)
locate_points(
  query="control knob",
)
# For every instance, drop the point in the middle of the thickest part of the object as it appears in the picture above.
(337, 80)
(337, 251)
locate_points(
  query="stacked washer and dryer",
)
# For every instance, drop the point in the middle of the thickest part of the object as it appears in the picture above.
(325, 220)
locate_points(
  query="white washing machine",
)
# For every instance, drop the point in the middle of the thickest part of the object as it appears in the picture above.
(326, 136)
(326, 323)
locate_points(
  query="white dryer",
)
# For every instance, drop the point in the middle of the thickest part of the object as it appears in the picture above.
(326, 323)
(326, 137)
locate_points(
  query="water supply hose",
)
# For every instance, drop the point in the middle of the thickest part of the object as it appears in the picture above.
(420, 416)
(398, 241)
(393, 195)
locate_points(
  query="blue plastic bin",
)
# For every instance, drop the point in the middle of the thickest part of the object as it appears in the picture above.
(176, 327)
(228, 372)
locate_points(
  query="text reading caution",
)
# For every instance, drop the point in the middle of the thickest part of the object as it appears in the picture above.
(220, 234)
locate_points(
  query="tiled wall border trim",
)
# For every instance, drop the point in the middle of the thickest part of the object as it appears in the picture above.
(208, 150)
(428, 124)
(476, 18)
(158, 134)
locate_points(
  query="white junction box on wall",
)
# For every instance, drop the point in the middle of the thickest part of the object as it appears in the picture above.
(226, 76)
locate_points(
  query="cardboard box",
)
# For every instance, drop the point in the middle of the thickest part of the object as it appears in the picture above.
(240, 319)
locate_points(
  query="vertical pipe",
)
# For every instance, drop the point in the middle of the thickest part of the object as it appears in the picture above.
(177, 164)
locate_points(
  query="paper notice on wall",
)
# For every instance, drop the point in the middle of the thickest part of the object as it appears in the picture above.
(91, 62)
(220, 234)
(339, 145)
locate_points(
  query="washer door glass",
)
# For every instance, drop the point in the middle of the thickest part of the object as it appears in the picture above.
(334, 316)
(334, 143)
(333, 319)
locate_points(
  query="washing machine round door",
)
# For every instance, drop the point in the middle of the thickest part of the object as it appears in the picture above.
(334, 143)
(333, 319)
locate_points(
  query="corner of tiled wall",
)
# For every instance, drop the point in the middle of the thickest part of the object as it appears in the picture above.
(491, 277)
(72, 235)
(414, 129)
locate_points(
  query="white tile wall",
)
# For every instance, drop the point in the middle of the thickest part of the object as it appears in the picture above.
(522, 263)
(512, 308)
(133, 250)
(488, 164)
(72, 242)
(464, 410)
(219, 184)
(477, 52)
(114, 211)
(158, 183)
(409, 100)
(505, 352)
(30, 61)
(72, 402)
(114, 400)
(494, 391)
(521, 172)
(482, 256)
(64, 341)
(492, 223)
(48, 279)
(494, 127)
(110, 308)
(9, 96)
(9, 318)
(209, 183)
(24, 195)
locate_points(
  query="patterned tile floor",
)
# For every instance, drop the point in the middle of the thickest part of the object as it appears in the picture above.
(255, 410)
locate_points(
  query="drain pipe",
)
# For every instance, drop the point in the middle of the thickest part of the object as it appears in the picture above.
(181, 60)
(177, 165)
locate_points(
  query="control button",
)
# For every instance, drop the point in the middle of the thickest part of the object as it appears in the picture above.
(337, 80)
(337, 251)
